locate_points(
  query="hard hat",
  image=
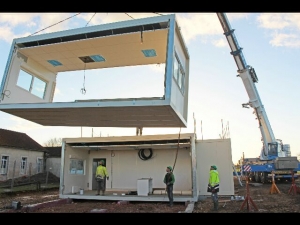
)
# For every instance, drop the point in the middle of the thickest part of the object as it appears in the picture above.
(170, 167)
(214, 167)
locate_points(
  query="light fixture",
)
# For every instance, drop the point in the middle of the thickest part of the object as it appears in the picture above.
(54, 62)
(149, 52)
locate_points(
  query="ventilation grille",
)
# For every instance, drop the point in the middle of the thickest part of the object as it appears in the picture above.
(92, 58)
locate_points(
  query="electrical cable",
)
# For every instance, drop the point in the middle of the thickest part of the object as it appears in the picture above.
(142, 155)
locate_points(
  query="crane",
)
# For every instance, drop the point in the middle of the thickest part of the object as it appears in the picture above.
(274, 153)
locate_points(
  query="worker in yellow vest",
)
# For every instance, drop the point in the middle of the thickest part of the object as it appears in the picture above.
(213, 185)
(101, 176)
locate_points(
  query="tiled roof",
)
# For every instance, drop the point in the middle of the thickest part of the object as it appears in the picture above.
(19, 140)
(54, 151)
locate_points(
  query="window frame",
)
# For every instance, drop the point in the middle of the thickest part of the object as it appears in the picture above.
(75, 161)
(180, 76)
(32, 87)
(4, 170)
(39, 166)
(23, 165)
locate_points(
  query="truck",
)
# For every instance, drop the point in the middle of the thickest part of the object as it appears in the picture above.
(275, 157)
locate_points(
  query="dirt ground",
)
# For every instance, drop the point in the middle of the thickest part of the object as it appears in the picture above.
(262, 200)
(260, 195)
(85, 206)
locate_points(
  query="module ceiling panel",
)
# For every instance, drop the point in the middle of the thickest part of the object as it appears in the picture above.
(117, 51)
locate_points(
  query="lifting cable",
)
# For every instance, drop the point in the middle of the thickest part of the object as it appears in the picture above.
(54, 24)
(177, 150)
(74, 16)
(129, 16)
(90, 19)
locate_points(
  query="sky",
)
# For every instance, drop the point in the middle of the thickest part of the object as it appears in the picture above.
(271, 45)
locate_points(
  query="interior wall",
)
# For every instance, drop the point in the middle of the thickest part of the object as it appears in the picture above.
(76, 180)
(125, 168)
(128, 168)
(214, 152)
(20, 95)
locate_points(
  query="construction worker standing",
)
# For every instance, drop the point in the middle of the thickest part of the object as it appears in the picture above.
(169, 180)
(101, 176)
(213, 185)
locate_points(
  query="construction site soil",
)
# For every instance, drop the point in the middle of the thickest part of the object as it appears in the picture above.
(258, 200)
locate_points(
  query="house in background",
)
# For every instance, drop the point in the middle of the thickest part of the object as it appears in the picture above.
(20, 155)
(53, 160)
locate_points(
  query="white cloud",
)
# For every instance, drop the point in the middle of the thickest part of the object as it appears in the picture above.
(237, 16)
(193, 25)
(273, 20)
(287, 40)
(12, 25)
(220, 43)
(286, 27)
(15, 19)
(52, 22)
(22, 125)
(6, 34)
(279, 20)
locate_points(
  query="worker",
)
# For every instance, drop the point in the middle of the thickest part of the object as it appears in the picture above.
(101, 176)
(169, 180)
(213, 185)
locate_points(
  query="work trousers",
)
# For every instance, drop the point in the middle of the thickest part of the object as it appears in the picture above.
(101, 185)
(214, 197)
(170, 193)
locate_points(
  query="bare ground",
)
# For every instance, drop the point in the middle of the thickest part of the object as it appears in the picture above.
(262, 200)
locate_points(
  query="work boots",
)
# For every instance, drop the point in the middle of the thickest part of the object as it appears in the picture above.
(216, 206)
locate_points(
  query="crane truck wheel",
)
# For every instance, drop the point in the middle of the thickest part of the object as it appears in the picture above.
(257, 177)
(264, 177)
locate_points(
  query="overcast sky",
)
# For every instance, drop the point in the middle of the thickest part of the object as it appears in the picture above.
(270, 42)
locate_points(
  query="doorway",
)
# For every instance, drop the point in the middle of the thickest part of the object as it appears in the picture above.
(95, 164)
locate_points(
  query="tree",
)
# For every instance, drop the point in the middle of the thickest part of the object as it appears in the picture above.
(53, 142)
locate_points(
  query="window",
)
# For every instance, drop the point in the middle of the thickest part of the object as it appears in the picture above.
(23, 165)
(179, 78)
(76, 166)
(4, 164)
(178, 73)
(182, 82)
(32, 84)
(39, 168)
(175, 72)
